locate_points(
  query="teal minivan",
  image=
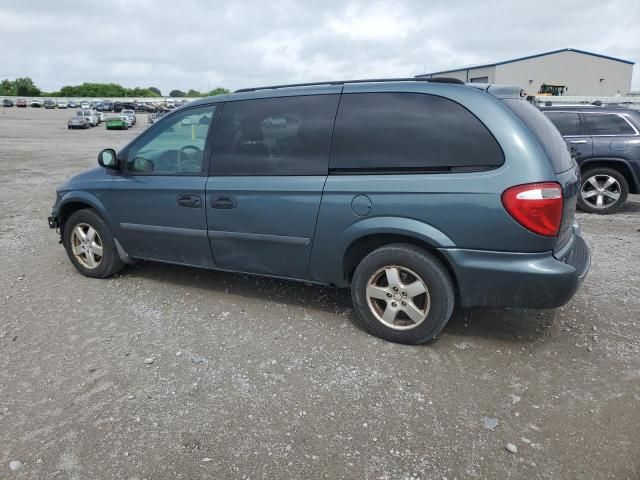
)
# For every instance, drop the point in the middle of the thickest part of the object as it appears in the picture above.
(419, 195)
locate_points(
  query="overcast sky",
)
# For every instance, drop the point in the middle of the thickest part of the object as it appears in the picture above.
(204, 44)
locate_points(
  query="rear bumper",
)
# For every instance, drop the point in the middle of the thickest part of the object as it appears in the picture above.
(519, 280)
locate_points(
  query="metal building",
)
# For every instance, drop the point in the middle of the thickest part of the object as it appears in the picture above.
(582, 73)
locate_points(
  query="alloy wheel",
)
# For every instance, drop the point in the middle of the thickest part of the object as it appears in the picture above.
(86, 245)
(398, 297)
(600, 191)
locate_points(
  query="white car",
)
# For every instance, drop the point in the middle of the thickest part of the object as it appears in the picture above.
(91, 115)
(131, 114)
(101, 117)
(85, 106)
(62, 104)
(126, 118)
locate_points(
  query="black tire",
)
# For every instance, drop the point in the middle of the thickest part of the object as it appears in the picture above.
(428, 269)
(610, 206)
(110, 263)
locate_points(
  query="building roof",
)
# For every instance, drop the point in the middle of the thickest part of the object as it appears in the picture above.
(482, 65)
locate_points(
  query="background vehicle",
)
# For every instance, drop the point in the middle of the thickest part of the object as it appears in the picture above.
(397, 189)
(72, 104)
(605, 141)
(132, 116)
(22, 103)
(7, 102)
(85, 105)
(49, 104)
(78, 121)
(35, 103)
(62, 104)
(117, 123)
(90, 115)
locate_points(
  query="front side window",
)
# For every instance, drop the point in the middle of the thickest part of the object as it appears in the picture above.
(275, 136)
(400, 131)
(607, 124)
(567, 123)
(174, 146)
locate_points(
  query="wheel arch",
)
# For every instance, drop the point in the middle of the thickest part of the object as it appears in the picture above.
(619, 164)
(385, 231)
(74, 201)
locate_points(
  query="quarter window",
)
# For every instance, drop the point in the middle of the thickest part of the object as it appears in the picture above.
(275, 136)
(567, 123)
(607, 124)
(174, 146)
(400, 131)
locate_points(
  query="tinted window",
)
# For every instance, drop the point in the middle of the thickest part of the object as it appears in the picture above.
(275, 136)
(567, 123)
(395, 131)
(545, 132)
(173, 146)
(607, 124)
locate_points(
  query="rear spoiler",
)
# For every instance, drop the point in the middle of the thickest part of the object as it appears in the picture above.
(500, 91)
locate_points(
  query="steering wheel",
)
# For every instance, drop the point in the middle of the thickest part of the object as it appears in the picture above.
(182, 152)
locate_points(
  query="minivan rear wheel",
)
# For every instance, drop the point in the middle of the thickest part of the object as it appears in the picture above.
(603, 191)
(402, 293)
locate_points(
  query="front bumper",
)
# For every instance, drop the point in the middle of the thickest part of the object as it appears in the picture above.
(519, 280)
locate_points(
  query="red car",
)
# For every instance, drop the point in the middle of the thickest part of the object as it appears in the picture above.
(21, 103)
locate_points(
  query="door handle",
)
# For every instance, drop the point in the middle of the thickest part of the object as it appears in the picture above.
(223, 202)
(578, 141)
(190, 201)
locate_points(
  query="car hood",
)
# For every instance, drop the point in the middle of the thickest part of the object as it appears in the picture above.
(83, 180)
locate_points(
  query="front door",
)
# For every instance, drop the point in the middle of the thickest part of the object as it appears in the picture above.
(158, 201)
(269, 166)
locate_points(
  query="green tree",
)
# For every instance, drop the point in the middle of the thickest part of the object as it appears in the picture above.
(156, 91)
(219, 91)
(176, 93)
(193, 93)
(6, 87)
(24, 87)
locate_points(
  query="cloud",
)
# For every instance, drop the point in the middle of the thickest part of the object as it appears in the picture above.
(201, 44)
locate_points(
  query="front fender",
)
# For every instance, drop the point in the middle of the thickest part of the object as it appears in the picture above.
(89, 199)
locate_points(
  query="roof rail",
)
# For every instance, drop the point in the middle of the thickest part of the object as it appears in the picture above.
(344, 82)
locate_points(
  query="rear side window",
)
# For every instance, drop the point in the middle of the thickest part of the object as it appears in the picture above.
(275, 136)
(567, 123)
(607, 124)
(545, 132)
(409, 131)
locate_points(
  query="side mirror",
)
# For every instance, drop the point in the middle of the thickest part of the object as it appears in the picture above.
(107, 159)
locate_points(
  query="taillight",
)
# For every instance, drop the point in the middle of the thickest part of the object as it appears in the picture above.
(536, 206)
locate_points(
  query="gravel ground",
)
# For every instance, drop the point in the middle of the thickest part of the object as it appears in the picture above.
(166, 372)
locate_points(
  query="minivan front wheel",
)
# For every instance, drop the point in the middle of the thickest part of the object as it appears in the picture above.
(603, 191)
(403, 294)
(90, 245)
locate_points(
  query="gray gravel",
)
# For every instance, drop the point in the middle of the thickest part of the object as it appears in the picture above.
(257, 378)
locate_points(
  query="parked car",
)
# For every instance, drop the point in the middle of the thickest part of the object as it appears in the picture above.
(101, 116)
(107, 106)
(605, 141)
(72, 104)
(90, 115)
(117, 123)
(117, 107)
(35, 103)
(49, 104)
(85, 105)
(7, 102)
(22, 103)
(131, 114)
(418, 195)
(127, 119)
(61, 104)
(78, 121)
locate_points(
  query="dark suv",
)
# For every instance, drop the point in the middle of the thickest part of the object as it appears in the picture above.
(419, 195)
(606, 144)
